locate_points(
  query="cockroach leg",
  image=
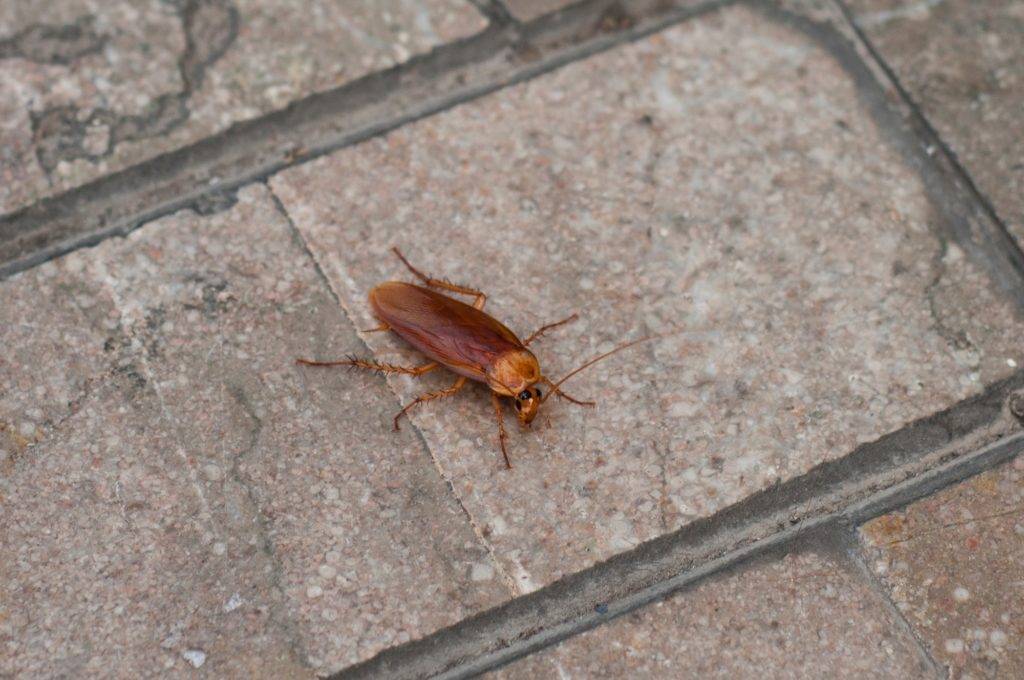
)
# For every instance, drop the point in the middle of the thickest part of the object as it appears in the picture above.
(429, 396)
(481, 298)
(372, 365)
(382, 327)
(544, 329)
(502, 436)
(557, 391)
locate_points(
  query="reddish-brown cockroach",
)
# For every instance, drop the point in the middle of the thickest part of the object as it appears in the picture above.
(467, 341)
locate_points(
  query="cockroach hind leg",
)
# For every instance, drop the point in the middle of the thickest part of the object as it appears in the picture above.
(372, 365)
(430, 396)
(435, 282)
(378, 329)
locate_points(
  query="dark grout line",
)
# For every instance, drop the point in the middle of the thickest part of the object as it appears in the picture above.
(903, 466)
(251, 151)
(849, 547)
(1002, 253)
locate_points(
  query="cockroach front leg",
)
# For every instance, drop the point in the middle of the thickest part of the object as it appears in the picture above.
(544, 329)
(371, 365)
(502, 436)
(447, 392)
(481, 298)
(557, 391)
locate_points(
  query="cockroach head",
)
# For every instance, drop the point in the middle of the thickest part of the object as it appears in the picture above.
(526, 404)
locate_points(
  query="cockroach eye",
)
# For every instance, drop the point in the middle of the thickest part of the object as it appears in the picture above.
(538, 393)
(524, 395)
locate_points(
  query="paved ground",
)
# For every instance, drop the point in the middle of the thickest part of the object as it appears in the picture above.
(812, 470)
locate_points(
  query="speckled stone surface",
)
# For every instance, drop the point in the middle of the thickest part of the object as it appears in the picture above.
(961, 62)
(87, 87)
(801, 616)
(54, 326)
(208, 501)
(110, 556)
(952, 564)
(805, 303)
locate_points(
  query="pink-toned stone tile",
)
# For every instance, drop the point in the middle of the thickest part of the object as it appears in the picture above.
(961, 62)
(88, 88)
(286, 531)
(802, 616)
(114, 567)
(373, 548)
(718, 183)
(61, 334)
(952, 563)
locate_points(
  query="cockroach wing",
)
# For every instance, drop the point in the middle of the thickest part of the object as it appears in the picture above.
(448, 331)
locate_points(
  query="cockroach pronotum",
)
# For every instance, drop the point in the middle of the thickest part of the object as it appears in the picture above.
(467, 341)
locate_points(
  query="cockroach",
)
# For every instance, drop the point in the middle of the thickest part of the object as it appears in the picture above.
(467, 341)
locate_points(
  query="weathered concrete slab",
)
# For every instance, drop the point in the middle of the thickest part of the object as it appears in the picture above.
(54, 325)
(961, 62)
(801, 616)
(114, 566)
(951, 562)
(285, 531)
(91, 88)
(718, 183)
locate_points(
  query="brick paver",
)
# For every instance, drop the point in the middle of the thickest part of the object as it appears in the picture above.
(91, 88)
(802, 616)
(961, 62)
(951, 563)
(237, 505)
(807, 305)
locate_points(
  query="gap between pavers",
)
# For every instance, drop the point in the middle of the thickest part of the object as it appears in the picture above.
(949, 560)
(803, 609)
(205, 174)
(91, 90)
(878, 478)
(972, 101)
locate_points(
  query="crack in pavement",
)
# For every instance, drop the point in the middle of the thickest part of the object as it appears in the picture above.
(279, 611)
(510, 582)
(61, 132)
(54, 43)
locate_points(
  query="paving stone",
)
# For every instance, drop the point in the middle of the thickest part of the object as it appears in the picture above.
(951, 562)
(960, 60)
(89, 88)
(56, 312)
(718, 183)
(298, 530)
(110, 560)
(802, 616)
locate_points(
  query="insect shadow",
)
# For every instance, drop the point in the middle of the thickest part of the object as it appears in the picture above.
(468, 342)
